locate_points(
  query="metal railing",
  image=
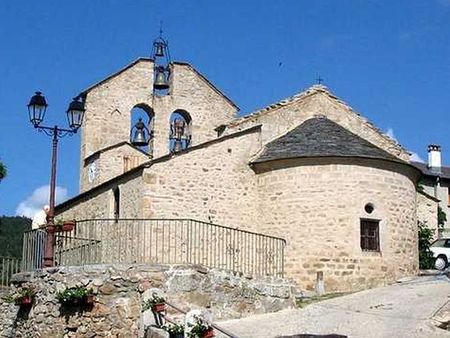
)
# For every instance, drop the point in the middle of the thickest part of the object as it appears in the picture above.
(8, 267)
(33, 249)
(166, 241)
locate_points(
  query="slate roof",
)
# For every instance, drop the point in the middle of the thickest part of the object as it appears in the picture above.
(321, 137)
(423, 167)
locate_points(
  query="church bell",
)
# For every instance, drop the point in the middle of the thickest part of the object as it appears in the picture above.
(160, 79)
(159, 50)
(140, 138)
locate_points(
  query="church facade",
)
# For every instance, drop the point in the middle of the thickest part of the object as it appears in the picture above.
(308, 169)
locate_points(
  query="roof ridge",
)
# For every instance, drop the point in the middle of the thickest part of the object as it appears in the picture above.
(281, 103)
(148, 59)
(312, 90)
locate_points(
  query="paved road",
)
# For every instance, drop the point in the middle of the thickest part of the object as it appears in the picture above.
(400, 310)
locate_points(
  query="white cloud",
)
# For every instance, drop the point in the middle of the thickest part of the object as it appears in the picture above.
(38, 199)
(415, 158)
(390, 134)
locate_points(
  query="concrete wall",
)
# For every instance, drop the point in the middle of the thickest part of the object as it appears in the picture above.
(439, 190)
(108, 107)
(427, 208)
(318, 208)
(280, 118)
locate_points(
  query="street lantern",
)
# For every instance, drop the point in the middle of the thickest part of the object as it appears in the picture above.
(37, 108)
(75, 113)
(141, 134)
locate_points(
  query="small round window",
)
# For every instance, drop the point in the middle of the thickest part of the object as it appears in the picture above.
(369, 208)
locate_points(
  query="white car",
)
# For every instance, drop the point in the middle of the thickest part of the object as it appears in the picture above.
(441, 252)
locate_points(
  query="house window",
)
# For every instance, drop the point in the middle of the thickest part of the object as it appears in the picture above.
(370, 235)
(116, 203)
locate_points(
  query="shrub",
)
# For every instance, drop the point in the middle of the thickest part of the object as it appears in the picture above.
(74, 295)
(426, 260)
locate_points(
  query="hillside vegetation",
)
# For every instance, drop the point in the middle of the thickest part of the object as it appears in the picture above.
(11, 235)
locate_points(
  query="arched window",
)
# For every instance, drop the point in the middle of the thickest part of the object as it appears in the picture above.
(180, 130)
(116, 193)
(141, 129)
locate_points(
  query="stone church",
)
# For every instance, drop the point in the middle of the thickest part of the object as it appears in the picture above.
(308, 169)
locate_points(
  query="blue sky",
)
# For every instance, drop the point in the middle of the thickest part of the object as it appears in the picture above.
(390, 60)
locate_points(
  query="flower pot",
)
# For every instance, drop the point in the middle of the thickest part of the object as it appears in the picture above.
(24, 301)
(159, 307)
(208, 333)
(68, 226)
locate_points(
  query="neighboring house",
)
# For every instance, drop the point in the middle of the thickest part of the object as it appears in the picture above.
(308, 169)
(436, 183)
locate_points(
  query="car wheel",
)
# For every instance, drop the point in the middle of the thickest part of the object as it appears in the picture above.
(440, 263)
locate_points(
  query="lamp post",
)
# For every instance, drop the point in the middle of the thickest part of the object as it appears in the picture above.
(75, 112)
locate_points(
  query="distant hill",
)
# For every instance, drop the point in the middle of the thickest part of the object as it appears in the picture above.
(11, 235)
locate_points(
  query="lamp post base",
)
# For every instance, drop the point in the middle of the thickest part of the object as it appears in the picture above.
(49, 250)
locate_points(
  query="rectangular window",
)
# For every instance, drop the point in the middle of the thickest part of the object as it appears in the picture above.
(370, 235)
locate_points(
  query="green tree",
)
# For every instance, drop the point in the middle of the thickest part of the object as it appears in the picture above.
(442, 216)
(426, 260)
(11, 235)
(3, 171)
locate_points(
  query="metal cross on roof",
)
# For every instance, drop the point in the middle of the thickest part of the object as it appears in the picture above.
(319, 80)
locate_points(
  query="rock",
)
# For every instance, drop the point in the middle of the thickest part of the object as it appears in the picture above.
(107, 289)
(97, 282)
(153, 332)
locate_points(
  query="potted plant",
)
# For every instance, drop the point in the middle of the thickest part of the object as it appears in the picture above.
(76, 295)
(174, 330)
(64, 226)
(156, 304)
(23, 297)
(201, 329)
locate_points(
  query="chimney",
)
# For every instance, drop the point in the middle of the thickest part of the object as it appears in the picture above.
(434, 157)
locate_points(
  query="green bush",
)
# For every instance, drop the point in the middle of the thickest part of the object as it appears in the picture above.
(426, 260)
(73, 295)
(442, 216)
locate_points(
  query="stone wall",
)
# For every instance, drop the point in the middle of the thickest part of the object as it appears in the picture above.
(213, 183)
(99, 203)
(317, 207)
(111, 163)
(113, 100)
(279, 118)
(427, 207)
(120, 290)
